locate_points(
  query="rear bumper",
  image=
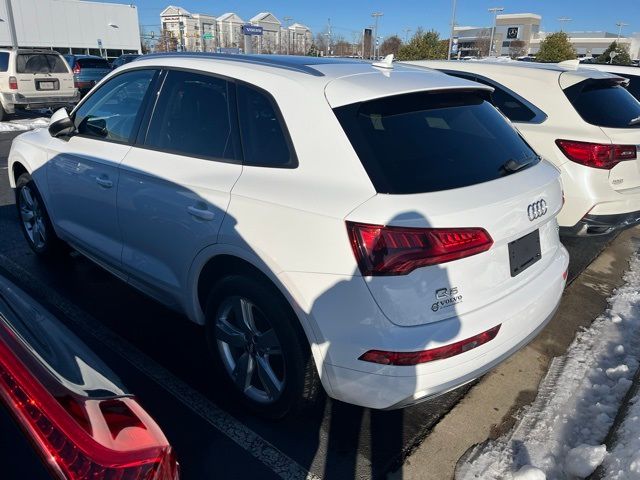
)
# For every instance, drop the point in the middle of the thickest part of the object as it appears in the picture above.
(593, 225)
(11, 101)
(522, 315)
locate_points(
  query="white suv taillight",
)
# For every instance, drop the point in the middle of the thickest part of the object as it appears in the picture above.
(596, 155)
(13, 83)
(383, 250)
(80, 437)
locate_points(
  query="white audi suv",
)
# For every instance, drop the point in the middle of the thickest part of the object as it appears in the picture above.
(377, 230)
(582, 120)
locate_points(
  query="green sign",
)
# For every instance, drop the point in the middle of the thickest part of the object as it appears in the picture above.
(207, 36)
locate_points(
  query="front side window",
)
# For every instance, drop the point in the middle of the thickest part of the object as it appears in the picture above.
(192, 117)
(40, 63)
(426, 142)
(111, 112)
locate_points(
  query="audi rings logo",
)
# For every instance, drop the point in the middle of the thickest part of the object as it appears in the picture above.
(536, 209)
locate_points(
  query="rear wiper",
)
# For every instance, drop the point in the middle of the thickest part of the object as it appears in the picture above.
(635, 121)
(511, 166)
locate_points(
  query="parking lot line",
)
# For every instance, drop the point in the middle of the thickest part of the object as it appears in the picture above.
(243, 436)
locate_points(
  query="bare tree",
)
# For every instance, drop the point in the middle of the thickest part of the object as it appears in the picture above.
(390, 45)
(166, 42)
(517, 48)
(483, 43)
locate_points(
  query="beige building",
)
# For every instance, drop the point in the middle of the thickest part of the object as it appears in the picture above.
(230, 30)
(270, 40)
(193, 32)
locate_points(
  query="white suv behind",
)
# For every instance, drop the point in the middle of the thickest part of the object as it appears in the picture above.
(583, 121)
(31, 79)
(382, 232)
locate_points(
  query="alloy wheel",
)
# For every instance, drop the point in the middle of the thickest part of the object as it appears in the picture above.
(32, 218)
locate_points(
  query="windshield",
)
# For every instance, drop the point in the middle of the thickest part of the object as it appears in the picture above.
(426, 142)
(92, 63)
(40, 63)
(604, 104)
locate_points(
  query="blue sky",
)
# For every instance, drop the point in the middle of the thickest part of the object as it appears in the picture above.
(349, 16)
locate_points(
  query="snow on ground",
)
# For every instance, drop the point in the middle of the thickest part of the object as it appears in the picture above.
(23, 124)
(560, 435)
(624, 460)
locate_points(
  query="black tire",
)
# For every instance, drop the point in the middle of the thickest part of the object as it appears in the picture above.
(301, 388)
(43, 241)
(3, 114)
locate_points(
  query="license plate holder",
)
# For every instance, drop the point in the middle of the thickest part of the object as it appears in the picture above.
(524, 252)
(47, 85)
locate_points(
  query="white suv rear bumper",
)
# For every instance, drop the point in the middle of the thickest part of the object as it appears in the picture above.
(11, 101)
(383, 386)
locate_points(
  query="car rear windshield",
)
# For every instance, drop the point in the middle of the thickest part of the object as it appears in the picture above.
(92, 63)
(634, 84)
(425, 142)
(604, 103)
(40, 63)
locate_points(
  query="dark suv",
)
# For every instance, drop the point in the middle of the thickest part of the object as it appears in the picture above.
(87, 70)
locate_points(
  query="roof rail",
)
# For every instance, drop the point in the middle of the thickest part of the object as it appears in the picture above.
(264, 60)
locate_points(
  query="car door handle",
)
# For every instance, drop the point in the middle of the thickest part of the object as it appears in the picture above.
(201, 213)
(104, 182)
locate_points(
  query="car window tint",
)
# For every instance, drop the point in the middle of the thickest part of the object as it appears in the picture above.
(263, 139)
(192, 117)
(40, 63)
(111, 111)
(4, 61)
(604, 103)
(510, 106)
(634, 84)
(426, 142)
(92, 63)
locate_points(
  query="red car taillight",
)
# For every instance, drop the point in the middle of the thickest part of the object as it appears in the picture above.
(84, 438)
(424, 356)
(13, 83)
(77, 68)
(596, 155)
(383, 250)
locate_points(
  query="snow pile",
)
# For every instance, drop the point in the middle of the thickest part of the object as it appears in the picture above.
(24, 124)
(624, 460)
(560, 435)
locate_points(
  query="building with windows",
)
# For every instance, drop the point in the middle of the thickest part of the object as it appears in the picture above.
(269, 41)
(230, 30)
(298, 37)
(73, 26)
(193, 32)
(521, 34)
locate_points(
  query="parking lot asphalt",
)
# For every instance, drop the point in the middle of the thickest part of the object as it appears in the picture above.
(162, 358)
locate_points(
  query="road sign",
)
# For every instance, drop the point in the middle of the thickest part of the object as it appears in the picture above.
(251, 30)
(99, 43)
(207, 36)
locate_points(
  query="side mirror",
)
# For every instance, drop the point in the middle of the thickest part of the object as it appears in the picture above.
(60, 124)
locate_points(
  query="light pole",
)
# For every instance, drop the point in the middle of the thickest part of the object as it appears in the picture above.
(376, 15)
(620, 25)
(495, 11)
(406, 34)
(287, 22)
(562, 21)
(453, 22)
(11, 24)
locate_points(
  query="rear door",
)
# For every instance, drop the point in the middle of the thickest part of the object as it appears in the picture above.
(175, 183)
(450, 161)
(607, 104)
(82, 171)
(43, 75)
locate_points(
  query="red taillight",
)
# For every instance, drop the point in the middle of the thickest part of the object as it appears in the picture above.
(382, 250)
(77, 68)
(84, 438)
(13, 83)
(596, 155)
(424, 356)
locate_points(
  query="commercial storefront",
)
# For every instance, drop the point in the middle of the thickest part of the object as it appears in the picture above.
(73, 26)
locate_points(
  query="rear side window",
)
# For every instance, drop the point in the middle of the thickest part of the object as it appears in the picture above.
(4, 61)
(509, 105)
(634, 85)
(604, 104)
(264, 141)
(92, 63)
(40, 63)
(192, 117)
(426, 142)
